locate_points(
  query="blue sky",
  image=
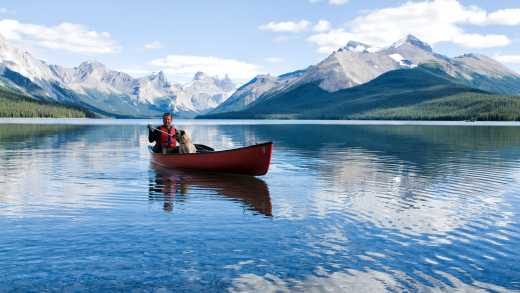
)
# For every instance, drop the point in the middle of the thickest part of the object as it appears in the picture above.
(245, 38)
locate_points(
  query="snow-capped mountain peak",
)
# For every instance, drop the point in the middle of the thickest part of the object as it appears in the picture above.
(411, 40)
(200, 76)
(91, 82)
(91, 64)
(354, 46)
(226, 84)
(158, 79)
(25, 64)
(157, 76)
(357, 63)
(90, 69)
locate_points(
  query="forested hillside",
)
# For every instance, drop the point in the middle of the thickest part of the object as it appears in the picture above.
(17, 105)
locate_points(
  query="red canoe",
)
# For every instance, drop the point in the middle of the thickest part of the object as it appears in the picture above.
(252, 160)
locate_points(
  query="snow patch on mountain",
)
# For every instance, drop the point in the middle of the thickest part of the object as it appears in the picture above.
(413, 41)
(203, 93)
(358, 63)
(402, 61)
(93, 83)
(259, 86)
(356, 47)
(24, 63)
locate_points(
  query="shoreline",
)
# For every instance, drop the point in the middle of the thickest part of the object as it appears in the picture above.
(190, 121)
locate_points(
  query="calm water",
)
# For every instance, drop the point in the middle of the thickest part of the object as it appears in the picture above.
(344, 208)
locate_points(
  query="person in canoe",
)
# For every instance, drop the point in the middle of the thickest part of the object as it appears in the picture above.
(165, 136)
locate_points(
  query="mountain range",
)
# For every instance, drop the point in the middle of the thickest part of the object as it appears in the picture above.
(93, 86)
(406, 80)
(358, 79)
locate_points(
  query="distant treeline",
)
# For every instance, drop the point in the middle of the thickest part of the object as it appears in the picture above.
(17, 105)
(17, 132)
(465, 106)
(471, 106)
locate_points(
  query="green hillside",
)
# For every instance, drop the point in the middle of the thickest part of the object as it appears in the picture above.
(425, 92)
(18, 105)
(464, 106)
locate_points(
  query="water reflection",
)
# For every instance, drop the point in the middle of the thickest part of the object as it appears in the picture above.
(397, 208)
(417, 179)
(173, 186)
(393, 195)
(361, 281)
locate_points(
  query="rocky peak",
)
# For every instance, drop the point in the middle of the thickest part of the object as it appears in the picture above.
(159, 76)
(412, 40)
(8, 53)
(226, 78)
(91, 64)
(355, 46)
(159, 79)
(226, 84)
(200, 76)
(90, 67)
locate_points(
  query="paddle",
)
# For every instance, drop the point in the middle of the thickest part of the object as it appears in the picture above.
(199, 147)
(153, 128)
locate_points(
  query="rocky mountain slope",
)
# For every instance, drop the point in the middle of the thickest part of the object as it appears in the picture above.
(109, 92)
(255, 88)
(359, 63)
(422, 92)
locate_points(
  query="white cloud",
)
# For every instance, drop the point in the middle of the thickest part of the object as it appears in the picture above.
(510, 59)
(481, 41)
(186, 65)
(332, 40)
(65, 36)
(321, 26)
(432, 21)
(331, 2)
(153, 45)
(286, 26)
(500, 17)
(284, 38)
(338, 2)
(274, 60)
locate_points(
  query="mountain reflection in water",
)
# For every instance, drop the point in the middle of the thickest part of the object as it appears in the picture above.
(343, 208)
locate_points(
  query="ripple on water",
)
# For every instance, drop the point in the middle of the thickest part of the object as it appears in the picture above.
(362, 208)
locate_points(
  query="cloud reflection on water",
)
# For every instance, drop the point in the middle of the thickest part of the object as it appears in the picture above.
(342, 208)
(359, 281)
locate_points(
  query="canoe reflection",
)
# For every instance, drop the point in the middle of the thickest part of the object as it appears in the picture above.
(172, 186)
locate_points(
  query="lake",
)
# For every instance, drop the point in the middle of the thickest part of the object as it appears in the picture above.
(346, 206)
